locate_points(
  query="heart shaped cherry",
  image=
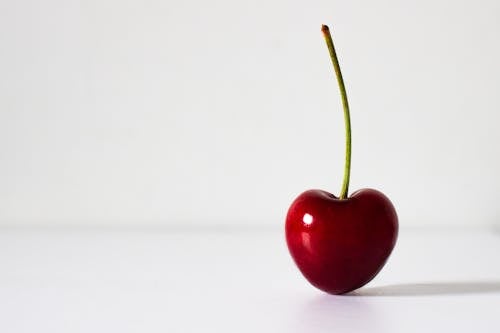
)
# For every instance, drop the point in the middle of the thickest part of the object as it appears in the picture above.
(340, 244)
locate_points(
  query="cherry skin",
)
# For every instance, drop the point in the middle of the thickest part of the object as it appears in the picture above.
(340, 245)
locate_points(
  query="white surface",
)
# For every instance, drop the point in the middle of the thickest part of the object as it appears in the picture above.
(95, 280)
(113, 112)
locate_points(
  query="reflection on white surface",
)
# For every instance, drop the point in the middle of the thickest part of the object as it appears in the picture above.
(328, 313)
(307, 219)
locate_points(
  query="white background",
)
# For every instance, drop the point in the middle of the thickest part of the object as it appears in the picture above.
(221, 112)
(119, 118)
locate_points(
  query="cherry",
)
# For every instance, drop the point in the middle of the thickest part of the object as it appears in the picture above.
(340, 244)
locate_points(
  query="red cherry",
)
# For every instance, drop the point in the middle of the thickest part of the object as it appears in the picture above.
(340, 245)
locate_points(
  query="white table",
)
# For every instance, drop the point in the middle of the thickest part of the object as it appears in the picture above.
(225, 280)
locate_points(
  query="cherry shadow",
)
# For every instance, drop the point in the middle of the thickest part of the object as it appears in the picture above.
(430, 289)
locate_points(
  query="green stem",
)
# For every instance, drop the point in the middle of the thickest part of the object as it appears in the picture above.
(347, 117)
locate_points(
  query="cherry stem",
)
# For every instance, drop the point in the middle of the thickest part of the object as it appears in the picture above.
(347, 118)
